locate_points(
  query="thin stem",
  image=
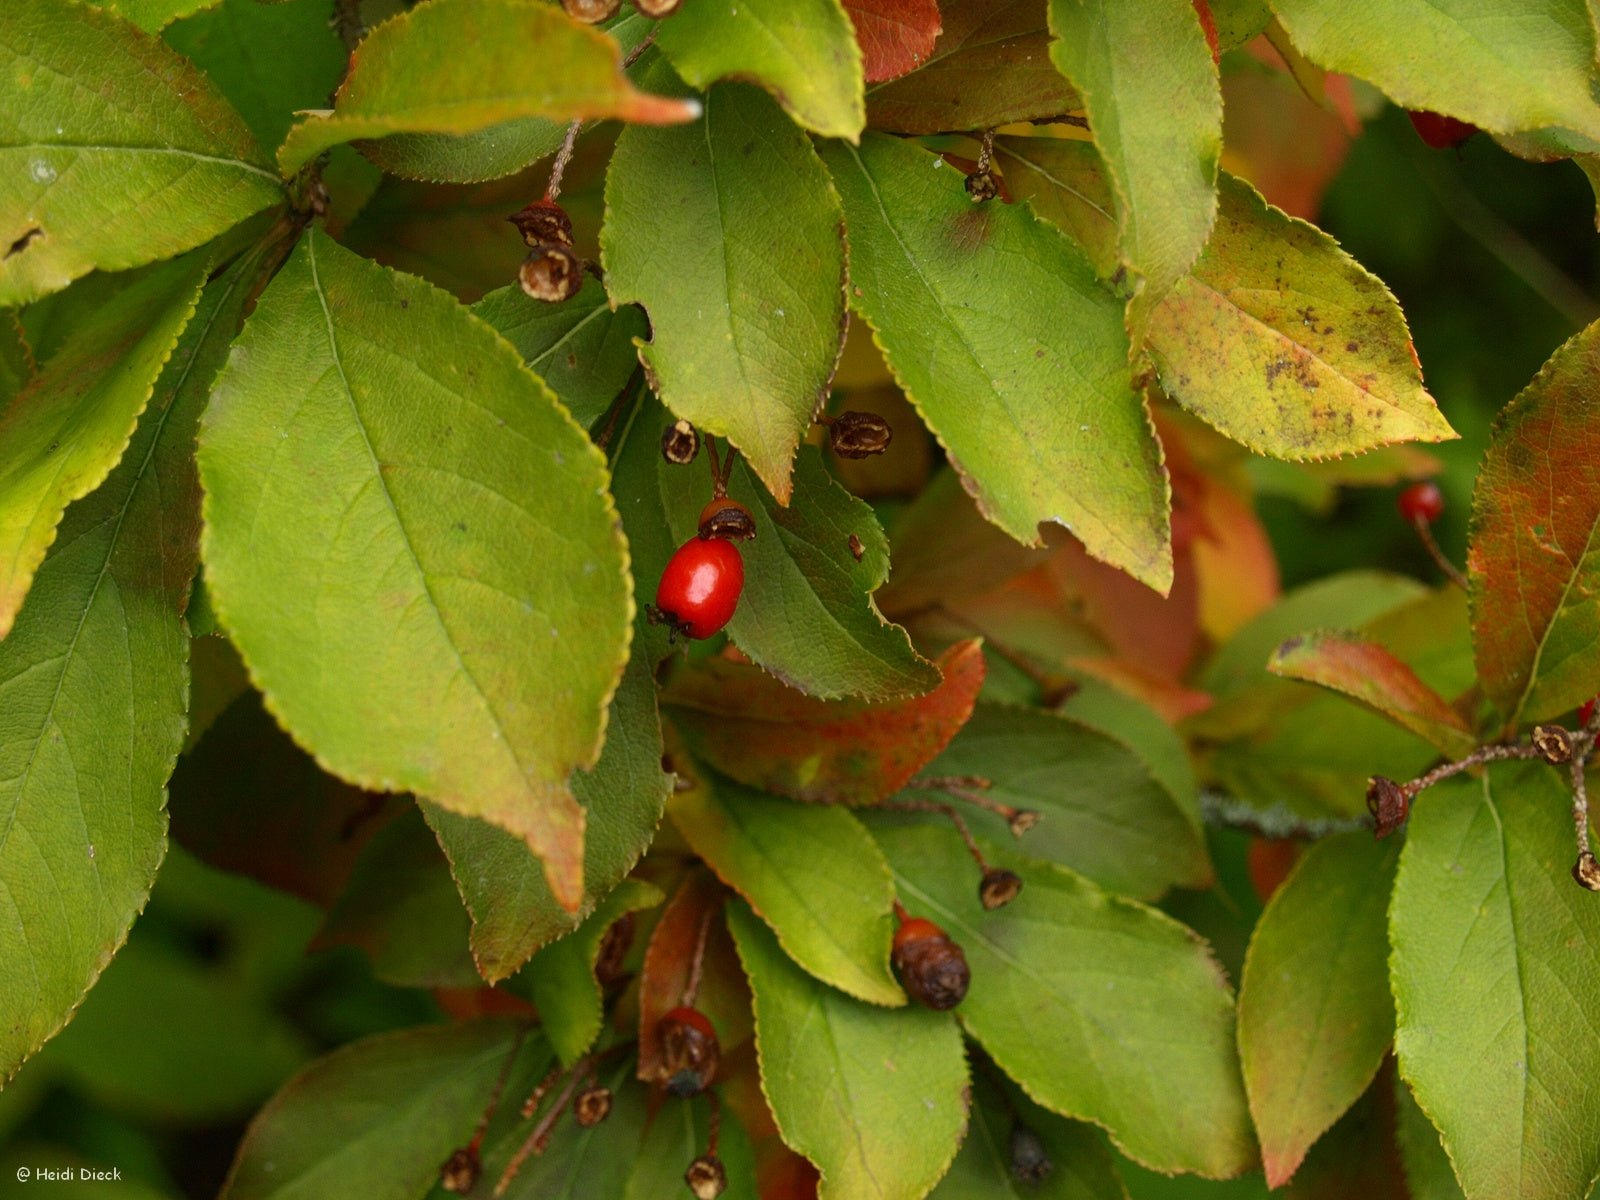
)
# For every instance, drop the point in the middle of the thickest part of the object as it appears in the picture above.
(541, 1090)
(603, 438)
(948, 810)
(719, 486)
(637, 52)
(1480, 756)
(973, 789)
(986, 152)
(714, 1125)
(540, 1137)
(691, 987)
(1431, 545)
(1580, 799)
(499, 1088)
(552, 190)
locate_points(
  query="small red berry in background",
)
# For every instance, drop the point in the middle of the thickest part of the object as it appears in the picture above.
(1439, 131)
(700, 588)
(1269, 861)
(1421, 503)
(1586, 713)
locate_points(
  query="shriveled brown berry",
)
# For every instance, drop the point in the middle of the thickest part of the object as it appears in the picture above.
(614, 947)
(542, 223)
(689, 1051)
(592, 1105)
(1553, 743)
(998, 888)
(932, 968)
(1388, 803)
(656, 9)
(591, 12)
(727, 519)
(460, 1171)
(981, 186)
(706, 1177)
(551, 273)
(1587, 871)
(1030, 1161)
(859, 434)
(680, 443)
(1021, 820)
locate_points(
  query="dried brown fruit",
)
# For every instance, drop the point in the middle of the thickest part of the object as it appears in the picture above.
(1030, 1161)
(1587, 871)
(657, 9)
(551, 273)
(932, 968)
(591, 12)
(1553, 743)
(680, 443)
(859, 434)
(981, 186)
(998, 888)
(1389, 804)
(460, 1171)
(706, 1177)
(542, 223)
(727, 519)
(689, 1051)
(592, 1105)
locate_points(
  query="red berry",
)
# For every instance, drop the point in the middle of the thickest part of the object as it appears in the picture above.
(1586, 713)
(689, 1051)
(700, 588)
(1439, 131)
(1421, 502)
(931, 967)
(915, 929)
(693, 1018)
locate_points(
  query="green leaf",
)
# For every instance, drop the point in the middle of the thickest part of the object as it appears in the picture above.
(68, 428)
(1427, 1167)
(752, 728)
(463, 66)
(560, 978)
(1502, 66)
(504, 889)
(1315, 1016)
(1013, 354)
(498, 150)
(269, 60)
(874, 1097)
(379, 529)
(1145, 78)
(1285, 343)
(378, 1116)
(1534, 558)
(834, 922)
(1102, 1009)
(1494, 984)
(1368, 673)
(1065, 182)
(90, 185)
(991, 66)
(802, 51)
(1102, 810)
(401, 909)
(807, 614)
(581, 348)
(93, 686)
(676, 1137)
(1080, 1164)
(1144, 731)
(16, 360)
(153, 15)
(727, 231)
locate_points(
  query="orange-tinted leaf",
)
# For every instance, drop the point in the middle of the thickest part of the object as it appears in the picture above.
(1234, 565)
(1535, 553)
(760, 732)
(1288, 147)
(1171, 699)
(991, 66)
(1370, 674)
(668, 963)
(896, 36)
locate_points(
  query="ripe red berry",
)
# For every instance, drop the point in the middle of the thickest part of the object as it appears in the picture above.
(1421, 503)
(689, 1051)
(700, 588)
(1586, 713)
(931, 967)
(1439, 131)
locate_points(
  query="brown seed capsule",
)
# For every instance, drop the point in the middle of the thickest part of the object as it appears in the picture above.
(1553, 743)
(1030, 1161)
(1388, 803)
(592, 1105)
(981, 186)
(859, 434)
(656, 9)
(931, 967)
(998, 888)
(551, 273)
(1021, 820)
(727, 519)
(856, 548)
(543, 222)
(706, 1177)
(680, 443)
(614, 947)
(1587, 871)
(460, 1171)
(689, 1051)
(591, 12)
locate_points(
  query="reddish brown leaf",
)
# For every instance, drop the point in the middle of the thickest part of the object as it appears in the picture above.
(1288, 147)
(754, 729)
(1535, 553)
(896, 36)
(1370, 674)
(668, 962)
(991, 66)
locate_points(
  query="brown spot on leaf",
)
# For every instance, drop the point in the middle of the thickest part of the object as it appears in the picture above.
(23, 242)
